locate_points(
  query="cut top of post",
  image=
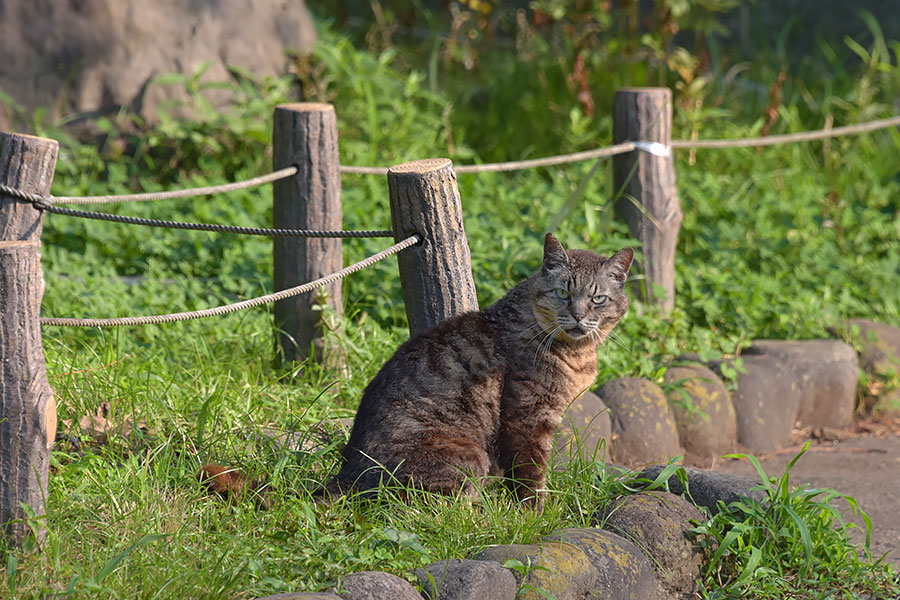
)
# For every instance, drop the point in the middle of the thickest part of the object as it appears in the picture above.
(27, 163)
(307, 106)
(645, 90)
(425, 165)
(436, 275)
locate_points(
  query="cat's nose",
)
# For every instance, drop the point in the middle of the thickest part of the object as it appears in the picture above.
(578, 315)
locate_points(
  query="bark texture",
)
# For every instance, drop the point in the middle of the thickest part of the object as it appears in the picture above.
(27, 407)
(648, 201)
(436, 274)
(305, 135)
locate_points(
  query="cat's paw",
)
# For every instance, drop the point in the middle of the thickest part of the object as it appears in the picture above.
(535, 501)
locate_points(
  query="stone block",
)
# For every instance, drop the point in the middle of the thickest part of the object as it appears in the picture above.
(463, 579)
(643, 427)
(623, 571)
(826, 374)
(710, 427)
(657, 522)
(765, 402)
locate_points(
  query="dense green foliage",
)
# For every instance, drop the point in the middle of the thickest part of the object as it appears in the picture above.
(780, 242)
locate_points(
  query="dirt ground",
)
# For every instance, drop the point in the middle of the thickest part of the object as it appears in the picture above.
(865, 466)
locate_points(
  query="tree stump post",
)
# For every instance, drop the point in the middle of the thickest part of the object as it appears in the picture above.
(27, 407)
(436, 274)
(305, 135)
(647, 199)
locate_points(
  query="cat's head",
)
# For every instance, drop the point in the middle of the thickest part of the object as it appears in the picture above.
(580, 293)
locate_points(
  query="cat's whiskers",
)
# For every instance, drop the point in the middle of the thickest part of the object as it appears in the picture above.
(611, 336)
(555, 332)
(546, 343)
(542, 331)
(537, 351)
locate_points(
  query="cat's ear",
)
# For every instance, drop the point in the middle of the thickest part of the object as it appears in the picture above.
(554, 254)
(620, 262)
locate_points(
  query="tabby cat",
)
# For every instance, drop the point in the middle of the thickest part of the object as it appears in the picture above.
(483, 392)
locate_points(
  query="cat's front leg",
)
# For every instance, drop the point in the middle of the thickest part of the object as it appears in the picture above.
(528, 480)
(523, 458)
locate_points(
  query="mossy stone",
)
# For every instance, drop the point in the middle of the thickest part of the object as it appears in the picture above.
(643, 426)
(658, 523)
(560, 569)
(623, 571)
(709, 426)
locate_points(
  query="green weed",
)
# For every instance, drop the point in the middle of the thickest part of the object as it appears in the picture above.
(793, 544)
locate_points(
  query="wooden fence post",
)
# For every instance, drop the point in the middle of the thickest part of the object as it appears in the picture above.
(27, 407)
(305, 135)
(647, 199)
(436, 274)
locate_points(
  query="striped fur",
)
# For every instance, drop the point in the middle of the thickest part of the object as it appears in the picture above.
(483, 392)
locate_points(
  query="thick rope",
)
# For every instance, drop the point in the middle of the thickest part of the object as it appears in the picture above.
(21, 194)
(787, 138)
(655, 149)
(41, 203)
(306, 233)
(201, 191)
(230, 308)
(515, 165)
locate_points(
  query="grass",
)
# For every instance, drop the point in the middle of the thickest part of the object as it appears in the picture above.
(783, 243)
(795, 544)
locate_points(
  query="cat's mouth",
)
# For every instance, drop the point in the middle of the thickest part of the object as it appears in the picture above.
(577, 332)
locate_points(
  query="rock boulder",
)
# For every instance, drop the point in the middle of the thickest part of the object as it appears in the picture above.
(706, 488)
(95, 56)
(765, 402)
(708, 427)
(657, 522)
(585, 430)
(643, 427)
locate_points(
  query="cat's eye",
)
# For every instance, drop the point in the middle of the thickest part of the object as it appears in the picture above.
(601, 299)
(562, 293)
